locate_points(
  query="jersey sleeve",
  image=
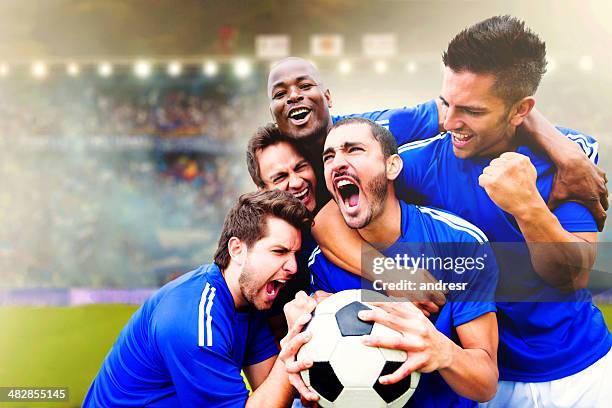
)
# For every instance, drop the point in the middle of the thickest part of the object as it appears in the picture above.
(417, 158)
(480, 282)
(261, 344)
(575, 217)
(204, 376)
(407, 124)
(415, 123)
(318, 266)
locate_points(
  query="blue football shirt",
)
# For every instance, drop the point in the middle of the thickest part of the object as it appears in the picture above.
(435, 234)
(539, 341)
(185, 346)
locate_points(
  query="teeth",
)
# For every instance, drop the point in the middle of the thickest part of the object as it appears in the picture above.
(460, 136)
(298, 112)
(343, 183)
(302, 194)
(281, 281)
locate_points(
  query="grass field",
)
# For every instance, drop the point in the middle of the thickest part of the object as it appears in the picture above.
(64, 347)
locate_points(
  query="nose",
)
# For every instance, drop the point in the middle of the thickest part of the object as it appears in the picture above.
(451, 120)
(291, 264)
(295, 181)
(338, 163)
(294, 95)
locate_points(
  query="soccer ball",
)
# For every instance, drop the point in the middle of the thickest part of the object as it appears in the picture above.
(345, 372)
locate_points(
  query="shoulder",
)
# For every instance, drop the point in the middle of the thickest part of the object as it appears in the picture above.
(316, 256)
(587, 143)
(448, 227)
(194, 310)
(432, 143)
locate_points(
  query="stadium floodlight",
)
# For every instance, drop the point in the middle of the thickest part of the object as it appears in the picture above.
(242, 68)
(380, 67)
(4, 69)
(73, 69)
(210, 68)
(411, 67)
(345, 67)
(142, 69)
(39, 70)
(105, 69)
(175, 68)
(586, 63)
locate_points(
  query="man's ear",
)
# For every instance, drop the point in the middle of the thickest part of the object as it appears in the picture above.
(237, 250)
(327, 95)
(521, 109)
(394, 166)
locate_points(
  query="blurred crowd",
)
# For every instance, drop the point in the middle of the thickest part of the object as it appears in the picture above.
(91, 198)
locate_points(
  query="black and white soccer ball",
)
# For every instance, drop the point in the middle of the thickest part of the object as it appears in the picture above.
(345, 372)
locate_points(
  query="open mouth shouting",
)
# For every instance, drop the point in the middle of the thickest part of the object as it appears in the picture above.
(273, 287)
(348, 194)
(299, 115)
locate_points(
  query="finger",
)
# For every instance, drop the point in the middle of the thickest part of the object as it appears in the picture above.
(391, 321)
(511, 155)
(398, 308)
(599, 214)
(429, 306)
(603, 197)
(405, 342)
(291, 347)
(410, 365)
(422, 308)
(294, 367)
(497, 161)
(320, 295)
(484, 180)
(305, 392)
(312, 402)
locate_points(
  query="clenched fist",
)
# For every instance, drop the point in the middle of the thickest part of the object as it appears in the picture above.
(510, 181)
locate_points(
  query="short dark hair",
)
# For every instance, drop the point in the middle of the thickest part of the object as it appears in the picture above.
(247, 219)
(504, 47)
(383, 136)
(265, 136)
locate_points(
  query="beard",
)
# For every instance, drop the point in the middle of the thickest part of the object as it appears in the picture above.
(248, 287)
(377, 191)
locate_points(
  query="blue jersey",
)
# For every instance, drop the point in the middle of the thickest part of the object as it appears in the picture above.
(185, 346)
(429, 232)
(539, 341)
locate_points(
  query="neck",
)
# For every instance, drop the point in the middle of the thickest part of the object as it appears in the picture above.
(509, 144)
(385, 229)
(232, 278)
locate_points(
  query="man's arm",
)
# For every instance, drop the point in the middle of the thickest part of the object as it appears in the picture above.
(270, 384)
(561, 258)
(343, 246)
(470, 369)
(577, 178)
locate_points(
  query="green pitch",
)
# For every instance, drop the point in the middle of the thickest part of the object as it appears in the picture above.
(64, 346)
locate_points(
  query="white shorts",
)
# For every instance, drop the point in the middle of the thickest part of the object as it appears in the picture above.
(589, 388)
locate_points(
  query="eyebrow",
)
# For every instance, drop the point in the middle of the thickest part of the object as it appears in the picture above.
(468, 107)
(343, 146)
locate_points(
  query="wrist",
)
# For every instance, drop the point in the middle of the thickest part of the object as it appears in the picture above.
(530, 210)
(447, 351)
